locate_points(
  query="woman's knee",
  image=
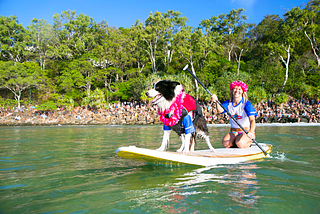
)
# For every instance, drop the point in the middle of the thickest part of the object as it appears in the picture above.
(227, 144)
(243, 143)
(228, 141)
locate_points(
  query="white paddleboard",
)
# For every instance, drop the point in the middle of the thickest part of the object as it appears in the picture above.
(198, 157)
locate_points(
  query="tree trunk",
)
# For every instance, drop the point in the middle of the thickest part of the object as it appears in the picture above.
(229, 53)
(18, 99)
(238, 60)
(287, 66)
(152, 54)
(314, 48)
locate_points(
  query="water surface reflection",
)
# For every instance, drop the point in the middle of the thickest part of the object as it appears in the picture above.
(176, 190)
(75, 169)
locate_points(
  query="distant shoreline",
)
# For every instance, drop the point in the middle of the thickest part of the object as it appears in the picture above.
(268, 114)
(209, 125)
(271, 124)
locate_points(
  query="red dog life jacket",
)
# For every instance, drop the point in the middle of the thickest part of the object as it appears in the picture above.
(189, 104)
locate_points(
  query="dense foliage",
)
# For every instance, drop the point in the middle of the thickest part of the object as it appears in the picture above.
(77, 61)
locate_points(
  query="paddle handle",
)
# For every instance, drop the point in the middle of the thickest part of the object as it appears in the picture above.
(230, 115)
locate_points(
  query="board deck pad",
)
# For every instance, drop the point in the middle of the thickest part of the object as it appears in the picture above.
(198, 157)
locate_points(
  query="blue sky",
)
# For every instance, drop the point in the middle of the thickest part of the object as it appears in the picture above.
(124, 13)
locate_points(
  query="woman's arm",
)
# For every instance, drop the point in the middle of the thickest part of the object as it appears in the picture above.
(214, 98)
(252, 120)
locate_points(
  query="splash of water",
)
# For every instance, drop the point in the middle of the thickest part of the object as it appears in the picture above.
(281, 156)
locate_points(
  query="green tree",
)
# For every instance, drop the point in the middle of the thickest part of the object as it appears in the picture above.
(265, 66)
(79, 74)
(233, 31)
(17, 77)
(120, 51)
(41, 41)
(194, 47)
(307, 21)
(13, 45)
(140, 58)
(277, 39)
(157, 34)
(190, 47)
(78, 55)
(74, 33)
(177, 24)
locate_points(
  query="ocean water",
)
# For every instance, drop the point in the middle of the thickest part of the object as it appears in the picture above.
(74, 169)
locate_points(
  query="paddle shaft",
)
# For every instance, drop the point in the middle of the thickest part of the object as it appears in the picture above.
(217, 101)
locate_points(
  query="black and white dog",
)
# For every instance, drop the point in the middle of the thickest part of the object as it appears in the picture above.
(179, 112)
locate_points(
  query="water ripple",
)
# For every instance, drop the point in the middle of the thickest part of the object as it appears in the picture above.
(17, 168)
(12, 186)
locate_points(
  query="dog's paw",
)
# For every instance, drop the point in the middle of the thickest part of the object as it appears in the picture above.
(180, 150)
(161, 149)
(186, 152)
(212, 149)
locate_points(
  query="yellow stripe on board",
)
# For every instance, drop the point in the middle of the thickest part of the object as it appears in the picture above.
(259, 155)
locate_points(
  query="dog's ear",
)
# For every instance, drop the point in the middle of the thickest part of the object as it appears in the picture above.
(174, 84)
(168, 84)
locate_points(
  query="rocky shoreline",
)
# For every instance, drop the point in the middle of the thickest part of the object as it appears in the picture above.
(122, 114)
(116, 115)
(79, 116)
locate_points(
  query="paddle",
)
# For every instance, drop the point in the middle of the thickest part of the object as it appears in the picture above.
(245, 131)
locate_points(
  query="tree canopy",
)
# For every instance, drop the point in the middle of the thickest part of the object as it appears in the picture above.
(76, 58)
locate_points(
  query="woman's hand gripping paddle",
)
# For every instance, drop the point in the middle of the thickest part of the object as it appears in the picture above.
(217, 101)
